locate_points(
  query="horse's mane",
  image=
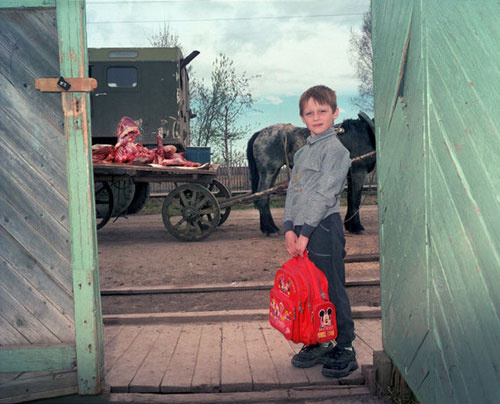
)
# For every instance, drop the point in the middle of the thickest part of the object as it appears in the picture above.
(371, 123)
(252, 166)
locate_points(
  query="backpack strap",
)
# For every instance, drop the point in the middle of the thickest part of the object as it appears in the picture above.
(312, 268)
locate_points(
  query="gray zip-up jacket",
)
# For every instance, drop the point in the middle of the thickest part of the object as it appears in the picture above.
(318, 178)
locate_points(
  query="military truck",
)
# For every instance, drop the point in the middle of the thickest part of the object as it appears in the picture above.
(150, 85)
(147, 84)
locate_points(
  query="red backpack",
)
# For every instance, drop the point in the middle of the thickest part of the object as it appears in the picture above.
(299, 304)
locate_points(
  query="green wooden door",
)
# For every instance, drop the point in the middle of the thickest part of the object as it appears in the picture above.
(50, 324)
(437, 80)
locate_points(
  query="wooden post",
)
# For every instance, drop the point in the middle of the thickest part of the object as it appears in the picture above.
(76, 106)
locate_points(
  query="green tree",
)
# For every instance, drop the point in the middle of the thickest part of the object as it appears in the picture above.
(219, 107)
(362, 58)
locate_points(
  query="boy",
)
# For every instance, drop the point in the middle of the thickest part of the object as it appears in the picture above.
(312, 220)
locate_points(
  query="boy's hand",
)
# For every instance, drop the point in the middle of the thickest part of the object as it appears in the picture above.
(301, 245)
(290, 242)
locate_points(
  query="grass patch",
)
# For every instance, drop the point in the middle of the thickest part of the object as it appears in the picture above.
(154, 205)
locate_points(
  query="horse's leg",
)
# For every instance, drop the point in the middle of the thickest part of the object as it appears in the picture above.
(355, 181)
(266, 181)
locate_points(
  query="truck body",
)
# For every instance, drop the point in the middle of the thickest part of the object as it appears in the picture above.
(150, 85)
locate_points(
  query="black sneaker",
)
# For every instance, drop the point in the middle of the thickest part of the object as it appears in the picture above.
(311, 355)
(339, 362)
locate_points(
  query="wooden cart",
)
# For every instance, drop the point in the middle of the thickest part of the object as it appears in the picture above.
(191, 211)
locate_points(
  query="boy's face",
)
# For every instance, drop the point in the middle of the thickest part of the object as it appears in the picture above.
(318, 117)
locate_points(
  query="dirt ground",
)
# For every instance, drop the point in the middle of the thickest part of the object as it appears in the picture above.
(139, 251)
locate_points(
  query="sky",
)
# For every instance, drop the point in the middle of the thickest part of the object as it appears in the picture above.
(290, 45)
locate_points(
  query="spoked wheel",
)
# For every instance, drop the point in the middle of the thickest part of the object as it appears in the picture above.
(104, 202)
(191, 212)
(219, 190)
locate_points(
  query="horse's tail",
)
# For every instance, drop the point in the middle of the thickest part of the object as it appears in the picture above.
(252, 166)
(371, 124)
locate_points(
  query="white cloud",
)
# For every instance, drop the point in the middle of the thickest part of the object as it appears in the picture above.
(289, 54)
(272, 99)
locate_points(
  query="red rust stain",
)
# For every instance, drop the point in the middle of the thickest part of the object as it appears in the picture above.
(458, 147)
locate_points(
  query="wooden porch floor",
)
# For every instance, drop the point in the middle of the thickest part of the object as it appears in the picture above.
(217, 357)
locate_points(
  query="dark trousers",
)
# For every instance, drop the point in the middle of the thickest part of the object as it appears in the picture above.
(327, 250)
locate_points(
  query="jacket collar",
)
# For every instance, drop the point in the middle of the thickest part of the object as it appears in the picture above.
(326, 134)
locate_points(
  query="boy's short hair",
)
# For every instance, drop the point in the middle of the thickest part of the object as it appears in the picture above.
(321, 94)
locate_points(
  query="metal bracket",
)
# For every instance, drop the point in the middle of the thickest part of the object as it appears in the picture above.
(66, 85)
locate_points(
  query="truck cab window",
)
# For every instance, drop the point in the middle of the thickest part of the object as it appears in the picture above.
(122, 77)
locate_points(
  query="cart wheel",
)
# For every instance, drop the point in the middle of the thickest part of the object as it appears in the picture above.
(220, 191)
(190, 212)
(104, 202)
(141, 196)
(124, 192)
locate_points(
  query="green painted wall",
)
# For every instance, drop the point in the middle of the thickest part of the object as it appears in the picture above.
(437, 80)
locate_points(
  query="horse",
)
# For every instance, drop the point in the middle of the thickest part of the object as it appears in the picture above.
(274, 146)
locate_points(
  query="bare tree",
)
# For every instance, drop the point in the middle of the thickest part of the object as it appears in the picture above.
(165, 38)
(362, 58)
(219, 108)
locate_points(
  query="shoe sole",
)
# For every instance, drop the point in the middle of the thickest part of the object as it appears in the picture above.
(310, 364)
(340, 372)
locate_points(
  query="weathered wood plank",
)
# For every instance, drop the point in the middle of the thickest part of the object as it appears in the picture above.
(27, 184)
(9, 334)
(150, 374)
(235, 374)
(20, 318)
(28, 3)
(34, 124)
(38, 247)
(370, 332)
(40, 306)
(23, 59)
(120, 345)
(207, 373)
(71, 23)
(13, 253)
(125, 368)
(35, 385)
(37, 137)
(179, 374)
(261, 366)
(6, 378)
(37, 224)
(281, 354)
(110, 334)
(50, 85)
(35, 358)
